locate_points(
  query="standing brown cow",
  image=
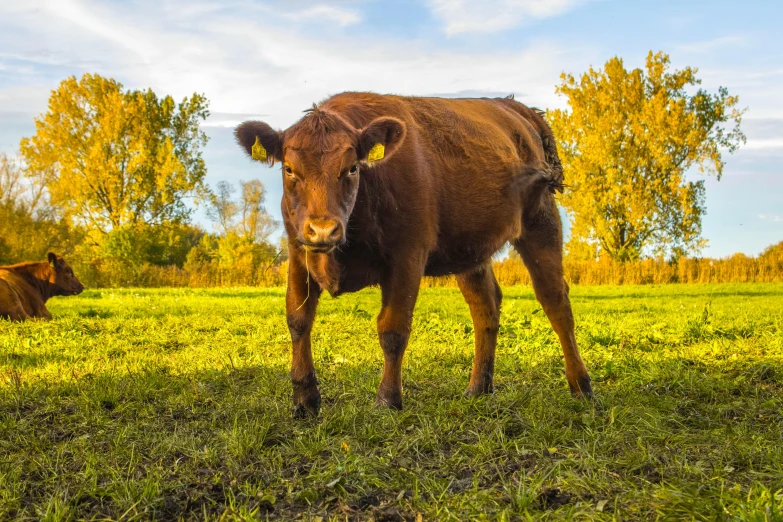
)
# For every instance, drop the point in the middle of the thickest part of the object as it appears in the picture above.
(386, 189)
(25, 288)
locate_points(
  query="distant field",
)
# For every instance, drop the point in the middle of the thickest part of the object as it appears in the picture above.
(142, 404)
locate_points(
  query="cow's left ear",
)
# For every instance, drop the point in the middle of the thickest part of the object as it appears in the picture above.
(379, 140)
(52, 258)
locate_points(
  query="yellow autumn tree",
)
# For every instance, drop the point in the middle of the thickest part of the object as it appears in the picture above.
(114, 159)
(627, 141)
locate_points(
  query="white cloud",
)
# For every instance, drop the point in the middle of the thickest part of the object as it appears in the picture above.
(92, 18)
(468, 16)
(770, 217)
(776, 143)
(255, 60)
(340, 16)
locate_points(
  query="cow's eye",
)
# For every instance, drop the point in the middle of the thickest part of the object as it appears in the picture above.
(288, 170)
(354, 169)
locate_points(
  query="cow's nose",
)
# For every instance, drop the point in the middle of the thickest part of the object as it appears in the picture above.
(321, 231)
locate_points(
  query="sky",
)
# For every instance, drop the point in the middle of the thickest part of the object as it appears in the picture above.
(272, 59)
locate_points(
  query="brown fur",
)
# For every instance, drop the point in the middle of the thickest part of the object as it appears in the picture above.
(25, 287)
(460, 178)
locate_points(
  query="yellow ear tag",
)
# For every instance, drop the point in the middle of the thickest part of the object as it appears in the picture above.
(258, 152)
(376, 153)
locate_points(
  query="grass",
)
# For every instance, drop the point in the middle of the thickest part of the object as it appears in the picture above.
(167, 404)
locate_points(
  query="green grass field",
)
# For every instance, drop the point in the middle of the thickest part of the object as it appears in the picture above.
(167, 404)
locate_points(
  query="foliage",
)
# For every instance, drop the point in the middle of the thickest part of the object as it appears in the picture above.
(29, 226)
(113, 158)
(162, 245)
(222, 208)
(175, 404)
(233, 260)
(606, 271)
(627, 142)
(773, 252)
(254, 222)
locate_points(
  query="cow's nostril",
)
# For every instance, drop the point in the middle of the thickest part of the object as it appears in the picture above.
(326, 231)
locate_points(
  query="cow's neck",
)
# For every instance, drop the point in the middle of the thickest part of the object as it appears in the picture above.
(325, 270)
(37, 275)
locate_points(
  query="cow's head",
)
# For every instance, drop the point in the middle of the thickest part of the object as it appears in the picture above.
(62, 277)
(323, 158)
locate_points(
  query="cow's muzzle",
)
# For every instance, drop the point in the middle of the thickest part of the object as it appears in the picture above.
(322, 235)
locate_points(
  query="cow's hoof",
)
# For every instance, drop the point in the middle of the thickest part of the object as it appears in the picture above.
(303, 412)
(307, 404)
(392, 402)
(484, 388)
(583, 389)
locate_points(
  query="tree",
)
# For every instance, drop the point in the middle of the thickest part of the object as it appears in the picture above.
(626, 144)
(222, 209)
(160, 245)
(29, 226)
(257, 225)
(112, 158)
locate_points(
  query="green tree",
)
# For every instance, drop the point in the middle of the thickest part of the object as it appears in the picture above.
(161, 245)
(112, 158)
(627, 141)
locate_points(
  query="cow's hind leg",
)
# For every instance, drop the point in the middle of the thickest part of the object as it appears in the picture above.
(13, 309)
(15, 313)
(483, 295)
(541, 248)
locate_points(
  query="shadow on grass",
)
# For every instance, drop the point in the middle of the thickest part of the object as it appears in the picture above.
(214, 443)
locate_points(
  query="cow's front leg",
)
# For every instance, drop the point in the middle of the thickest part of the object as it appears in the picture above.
(44, 314)
(301, 302)
(399, 291)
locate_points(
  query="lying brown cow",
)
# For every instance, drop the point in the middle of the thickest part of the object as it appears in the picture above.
(25, 288)
(382, 190)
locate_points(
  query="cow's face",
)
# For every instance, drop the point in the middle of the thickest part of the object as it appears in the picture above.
(323, 158)
(63, 279)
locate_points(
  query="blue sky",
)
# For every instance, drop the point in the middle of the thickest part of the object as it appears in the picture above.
(272, 59)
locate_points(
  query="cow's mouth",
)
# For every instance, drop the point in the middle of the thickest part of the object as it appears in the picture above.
(320, 249)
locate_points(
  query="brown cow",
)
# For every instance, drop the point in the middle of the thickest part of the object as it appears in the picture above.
(382, 190)
(25, 288)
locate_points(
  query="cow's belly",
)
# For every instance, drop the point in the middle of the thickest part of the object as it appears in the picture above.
(468, 242)
(463, 256)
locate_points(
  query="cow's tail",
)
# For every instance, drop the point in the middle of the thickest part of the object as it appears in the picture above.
(550, 151)
(534, 181)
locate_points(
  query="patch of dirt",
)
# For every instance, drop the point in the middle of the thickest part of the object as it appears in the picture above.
(553, 499)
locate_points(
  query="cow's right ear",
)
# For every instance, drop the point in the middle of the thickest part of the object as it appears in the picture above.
(260, 141)
(52, 258)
